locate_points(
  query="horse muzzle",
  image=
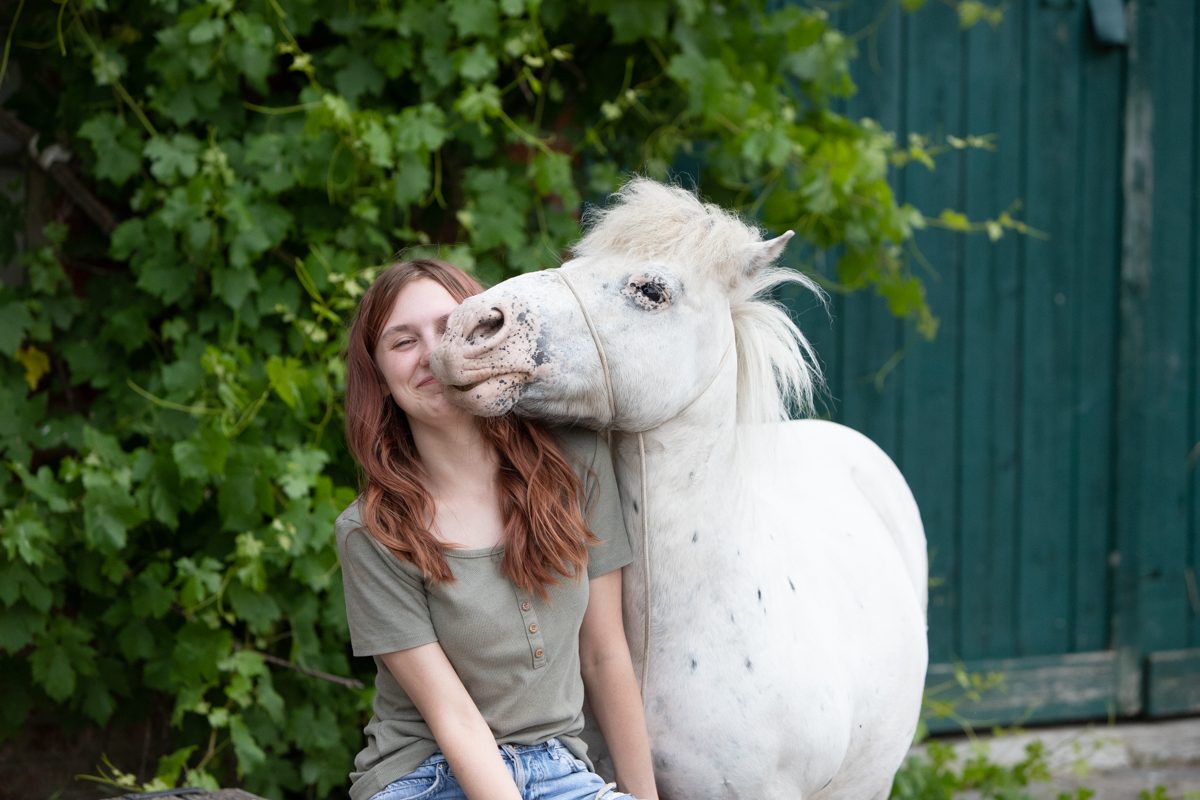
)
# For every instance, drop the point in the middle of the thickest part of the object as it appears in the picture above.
(487, 354)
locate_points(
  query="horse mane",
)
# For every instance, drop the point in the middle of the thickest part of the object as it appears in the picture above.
(777, 371)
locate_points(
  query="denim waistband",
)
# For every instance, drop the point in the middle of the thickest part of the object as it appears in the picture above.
(511, 751)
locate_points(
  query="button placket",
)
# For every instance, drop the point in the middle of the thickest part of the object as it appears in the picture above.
(533, 632)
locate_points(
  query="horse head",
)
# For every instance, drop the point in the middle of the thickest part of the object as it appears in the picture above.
(661, 292)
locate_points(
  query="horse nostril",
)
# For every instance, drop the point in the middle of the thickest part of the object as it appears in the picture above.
(487, 326)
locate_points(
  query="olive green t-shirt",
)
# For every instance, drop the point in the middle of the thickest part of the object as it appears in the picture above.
(517, 655)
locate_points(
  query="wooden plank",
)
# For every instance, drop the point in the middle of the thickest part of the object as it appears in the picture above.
(1051, 179)
(869, 395)
(991, 341)
(1173, 682)
(1194, 351)
(1136, 229)
(1095, 320)
(930, 404)
(1076, 686)
(869, 335)
(1159, 488)
(1154, 605)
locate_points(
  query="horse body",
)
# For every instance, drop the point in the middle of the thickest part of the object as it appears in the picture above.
(787, 582)
(755, 689)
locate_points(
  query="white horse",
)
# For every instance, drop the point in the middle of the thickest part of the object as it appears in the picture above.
(787, 639)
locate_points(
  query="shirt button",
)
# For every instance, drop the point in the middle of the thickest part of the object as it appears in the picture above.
(525, 606)
(533, 627)
(539, 653)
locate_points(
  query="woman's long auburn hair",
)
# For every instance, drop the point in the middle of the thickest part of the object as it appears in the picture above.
(545, 535)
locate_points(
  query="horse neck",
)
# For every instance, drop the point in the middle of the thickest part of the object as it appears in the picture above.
(689, 466)
(688, 480)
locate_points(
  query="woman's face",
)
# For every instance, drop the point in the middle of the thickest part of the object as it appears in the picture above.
(414, 327)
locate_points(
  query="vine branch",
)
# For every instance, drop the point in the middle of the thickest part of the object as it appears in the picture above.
(349, 683)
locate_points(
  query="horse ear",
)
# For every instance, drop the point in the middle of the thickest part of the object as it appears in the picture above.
(764, 253)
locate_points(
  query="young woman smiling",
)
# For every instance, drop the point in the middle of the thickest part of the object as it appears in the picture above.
(482, 570)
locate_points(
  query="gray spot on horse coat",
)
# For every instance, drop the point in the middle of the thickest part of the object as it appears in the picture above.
(760, 595)
(635, 506)
(693, 665)
(749, 665)
(791, 584)
(695, 536)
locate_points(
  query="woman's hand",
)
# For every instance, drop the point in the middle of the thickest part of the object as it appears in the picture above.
(612, 687)
(462, 734)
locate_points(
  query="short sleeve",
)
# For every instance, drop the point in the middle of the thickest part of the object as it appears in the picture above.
(386, 606)
(603, 512)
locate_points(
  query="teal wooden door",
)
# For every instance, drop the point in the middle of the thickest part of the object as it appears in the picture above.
(1050, 432)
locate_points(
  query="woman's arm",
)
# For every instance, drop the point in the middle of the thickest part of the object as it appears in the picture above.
(612, 687)
(462, 734)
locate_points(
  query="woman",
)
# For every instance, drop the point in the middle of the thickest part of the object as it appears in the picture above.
(488, 596)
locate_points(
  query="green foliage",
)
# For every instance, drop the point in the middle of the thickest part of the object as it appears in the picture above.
(939, 771)
(938, 774)
(171, 441)
(944, 701)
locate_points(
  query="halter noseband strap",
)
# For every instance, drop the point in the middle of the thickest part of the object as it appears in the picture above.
(608, 384)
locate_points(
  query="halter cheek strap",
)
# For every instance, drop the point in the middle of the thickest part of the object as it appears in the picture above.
(612, 416)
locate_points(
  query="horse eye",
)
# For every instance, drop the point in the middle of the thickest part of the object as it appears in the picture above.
(648, 292)
(652, 292)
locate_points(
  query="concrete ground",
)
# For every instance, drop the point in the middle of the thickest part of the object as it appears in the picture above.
(1117, 762)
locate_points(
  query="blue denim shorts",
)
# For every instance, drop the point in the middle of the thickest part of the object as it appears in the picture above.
(546, 771)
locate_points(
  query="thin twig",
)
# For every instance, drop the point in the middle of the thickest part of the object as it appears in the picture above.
(349, 683)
